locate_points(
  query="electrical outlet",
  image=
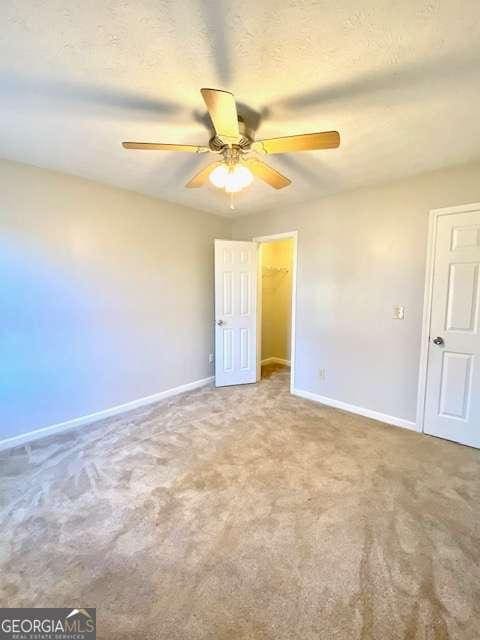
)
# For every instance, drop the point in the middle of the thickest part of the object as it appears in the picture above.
(322, 374)
(210, 357)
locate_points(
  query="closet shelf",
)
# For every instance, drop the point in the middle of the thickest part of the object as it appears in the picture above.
(269, 269)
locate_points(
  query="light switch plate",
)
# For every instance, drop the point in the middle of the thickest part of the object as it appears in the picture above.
(398, 312)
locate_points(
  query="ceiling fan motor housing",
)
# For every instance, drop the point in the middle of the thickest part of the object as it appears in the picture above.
(243, 144)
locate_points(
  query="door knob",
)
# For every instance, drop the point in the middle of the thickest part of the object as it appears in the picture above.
(438, 340)
(221, 323)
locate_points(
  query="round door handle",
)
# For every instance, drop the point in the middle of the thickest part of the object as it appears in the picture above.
(221, 323)
(438, 340)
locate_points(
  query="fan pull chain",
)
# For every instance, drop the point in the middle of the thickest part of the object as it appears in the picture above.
(232, 206)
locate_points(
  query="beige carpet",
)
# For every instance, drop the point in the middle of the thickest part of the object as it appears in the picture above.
(242, 513)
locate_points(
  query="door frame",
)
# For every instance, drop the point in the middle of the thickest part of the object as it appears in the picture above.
(428, 299)
(293, 235)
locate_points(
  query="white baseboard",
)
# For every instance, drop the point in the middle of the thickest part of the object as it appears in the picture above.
(275, 360)
(353, 408)
(23, 438)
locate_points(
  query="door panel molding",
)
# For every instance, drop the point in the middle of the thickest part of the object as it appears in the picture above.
(462, 363)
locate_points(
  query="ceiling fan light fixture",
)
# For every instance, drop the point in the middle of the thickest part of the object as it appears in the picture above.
(232, 179)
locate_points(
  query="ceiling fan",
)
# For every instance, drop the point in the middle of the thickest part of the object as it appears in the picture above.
(233, 142)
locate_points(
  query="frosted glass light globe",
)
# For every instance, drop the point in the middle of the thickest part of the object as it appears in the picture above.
(218, 176)
(243, 176)
(237, 179)
(232, 187)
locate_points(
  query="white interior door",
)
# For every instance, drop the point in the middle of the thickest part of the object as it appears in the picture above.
(235, 312)
(452, 403)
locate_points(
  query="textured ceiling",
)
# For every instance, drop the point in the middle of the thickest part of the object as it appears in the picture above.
(399, 79)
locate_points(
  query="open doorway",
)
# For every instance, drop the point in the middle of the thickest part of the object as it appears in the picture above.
(276, 305)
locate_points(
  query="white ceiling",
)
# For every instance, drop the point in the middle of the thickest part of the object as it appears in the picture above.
(400, 80)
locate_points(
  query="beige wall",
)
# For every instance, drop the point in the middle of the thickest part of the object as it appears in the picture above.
(106, 296)
(360, 253)
(276, 298)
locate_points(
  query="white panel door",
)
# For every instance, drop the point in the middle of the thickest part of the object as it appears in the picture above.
(235, 312)
(452, 408)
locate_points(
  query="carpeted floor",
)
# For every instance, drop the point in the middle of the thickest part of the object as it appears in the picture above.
(245, 512)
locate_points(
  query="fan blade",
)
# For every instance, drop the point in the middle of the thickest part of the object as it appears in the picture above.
(158, 146)
(267, 173)
(223, 113)
(201, 177)
(303, 142)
